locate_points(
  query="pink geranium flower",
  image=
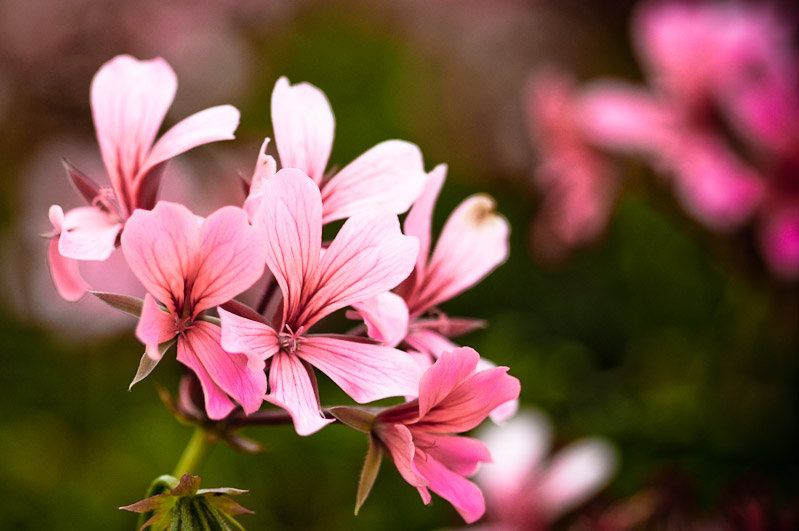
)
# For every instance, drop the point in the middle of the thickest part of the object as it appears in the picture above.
(190, 266)
(389, 176)
(527, 490)
(368, 256)
(129, 101)
(419, 435)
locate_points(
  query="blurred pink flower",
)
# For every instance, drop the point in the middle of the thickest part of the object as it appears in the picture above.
(368, 256)
(524, 489)
(190, 266)
(577, 183)
(129, 101)
(389, 176)
(454, 397)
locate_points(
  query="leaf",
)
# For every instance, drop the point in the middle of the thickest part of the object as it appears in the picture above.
(369, 473)
(126, 303)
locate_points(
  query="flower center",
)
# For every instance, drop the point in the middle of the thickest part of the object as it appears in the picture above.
(289, 340)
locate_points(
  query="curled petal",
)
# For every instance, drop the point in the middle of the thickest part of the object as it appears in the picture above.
(419, 221)
(464, 495)
(398, 440)
(450, 371)
(254, 339)
(65, 274)
(88, 233)
(155, 326)
(462, 455)
(386, 318)
(304, 125)
(390, 176)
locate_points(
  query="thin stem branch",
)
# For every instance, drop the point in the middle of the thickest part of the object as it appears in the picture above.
(195, 453)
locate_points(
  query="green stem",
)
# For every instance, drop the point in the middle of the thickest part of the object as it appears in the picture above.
(195, 453)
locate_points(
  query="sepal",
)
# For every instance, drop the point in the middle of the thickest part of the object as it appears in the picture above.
(130, 305)
(148, 363)
(188, 507)
(369, 473)
(359, 418)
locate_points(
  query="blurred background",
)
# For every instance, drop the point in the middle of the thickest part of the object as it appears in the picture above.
(676, 342)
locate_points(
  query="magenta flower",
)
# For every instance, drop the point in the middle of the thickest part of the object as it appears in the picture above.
(389, 176)
(129, 101)
(577, 182)
(419, 435)
(189, 266)
(368, 256)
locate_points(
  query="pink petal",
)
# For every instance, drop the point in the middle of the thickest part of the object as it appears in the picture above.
(88, 233)
(229, 372)
(389, 176)
(293, 387)
(448, 403)
(575, 474)
(155, 326)
(162, 247)
(209, 125)
(462, 455)
(473, 242)
(129, 101)
(265, 169)
(304, 125)
(518, 448)
(369, 256)
(217, 403)
(461, 493)
(232, 255)
(504, 411)
(448, 372)
(399, 442)
(429, 342)
(291, 215)
(256, 340)
(365, 372)
(386, 318)
(779, 241)
(65, 274)
(419, 221)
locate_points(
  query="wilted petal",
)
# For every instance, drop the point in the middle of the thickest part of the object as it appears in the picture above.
(365, 372)
(209, 125)
(473, 242)
(155, 326)
(304, 125)
(460, 492)
(229, 372)
(419, 221)
(293, 387)
(88, 233)
(369, 256)
(575, 474)
(291, 215)
(232, 254)
(389, 176)
(254, 339)
(386, 317)
(161, 247)
(129, 101)
(65, 274)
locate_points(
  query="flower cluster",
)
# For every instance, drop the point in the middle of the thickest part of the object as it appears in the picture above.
(716, 120)
(193, 268)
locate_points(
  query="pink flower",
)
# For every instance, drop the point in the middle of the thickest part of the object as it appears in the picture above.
(524, 489)
(419, 435)
(189, 266)
(368, 256)
(389, 176)
(577, 183)
(129, 100)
